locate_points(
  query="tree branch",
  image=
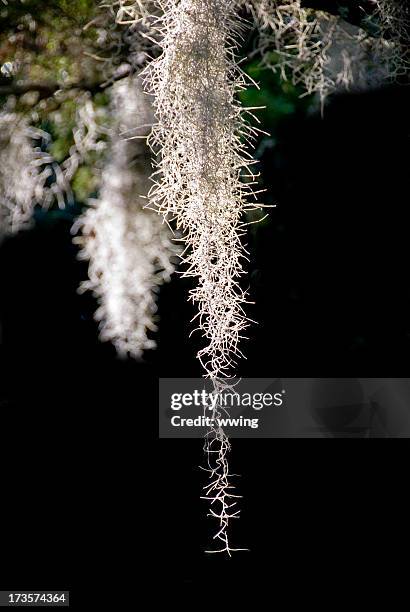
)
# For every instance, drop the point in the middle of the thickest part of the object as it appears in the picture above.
(46, 89)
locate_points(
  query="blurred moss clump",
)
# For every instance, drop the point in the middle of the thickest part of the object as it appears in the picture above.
(46, 43)
(60, 125)
(84, 184)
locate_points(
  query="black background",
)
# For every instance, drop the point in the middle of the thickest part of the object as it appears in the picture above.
(90, 498)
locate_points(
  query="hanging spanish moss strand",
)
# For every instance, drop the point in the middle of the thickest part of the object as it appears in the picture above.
(25, 173)
(393, 41)
(324, 53)
(129, 247)
(290, 42)
(202, 142)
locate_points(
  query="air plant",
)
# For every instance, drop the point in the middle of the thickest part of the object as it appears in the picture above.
(202, 144)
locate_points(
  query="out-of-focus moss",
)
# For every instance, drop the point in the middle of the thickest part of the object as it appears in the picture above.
(78, 9)
(84, 183)
(63, 120)
(101, 99)
(46, 42)
(60, 125)
(60, 148)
